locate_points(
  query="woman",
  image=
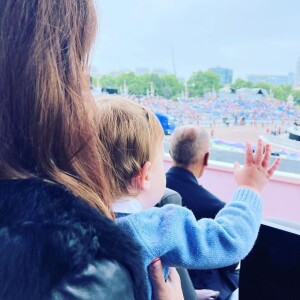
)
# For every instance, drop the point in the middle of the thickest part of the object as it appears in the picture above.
(57, 240)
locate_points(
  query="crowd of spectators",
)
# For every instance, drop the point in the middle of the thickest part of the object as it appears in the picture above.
(220, 111)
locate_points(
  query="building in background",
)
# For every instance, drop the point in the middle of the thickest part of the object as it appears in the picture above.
(159, 71)
(291, 77)
(226, 75)
(272, 79)
(142, 71)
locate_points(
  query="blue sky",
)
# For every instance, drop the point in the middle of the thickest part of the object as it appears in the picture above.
(251, 37)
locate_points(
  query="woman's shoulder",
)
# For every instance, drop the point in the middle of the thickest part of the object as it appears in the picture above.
(101, 279)
(55, 232)
(44, 203)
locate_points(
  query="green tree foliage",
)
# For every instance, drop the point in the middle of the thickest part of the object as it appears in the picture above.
(282, 91)
(170, 87)
(107, 80)
(167, 86)
(203, 81)
(136, 85)
(296, 95)
(263, 85)
(241, 83)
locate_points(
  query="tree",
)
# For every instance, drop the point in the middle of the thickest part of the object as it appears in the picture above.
(282, 91)
(167, 86)
(171, 86)
(153, 79)
(136, 85)
(203, 81)
(264, 85)
(107, 81)
(241, 83)
(296, 95)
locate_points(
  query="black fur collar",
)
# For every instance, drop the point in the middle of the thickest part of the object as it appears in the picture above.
(46, 233)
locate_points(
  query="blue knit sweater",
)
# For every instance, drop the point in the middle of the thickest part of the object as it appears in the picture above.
(173, 234)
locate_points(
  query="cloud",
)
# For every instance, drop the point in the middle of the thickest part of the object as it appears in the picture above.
(259, 36)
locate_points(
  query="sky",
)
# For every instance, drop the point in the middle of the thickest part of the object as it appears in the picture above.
(184, 36)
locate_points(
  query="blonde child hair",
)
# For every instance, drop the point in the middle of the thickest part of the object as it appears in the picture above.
(133, 137)
(131, 134)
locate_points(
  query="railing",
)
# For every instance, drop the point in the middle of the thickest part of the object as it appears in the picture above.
(281, 196)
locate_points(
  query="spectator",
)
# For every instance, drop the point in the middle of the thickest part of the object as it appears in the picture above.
(57, 235)
(134, 137)
(189, 149)
(253, 109)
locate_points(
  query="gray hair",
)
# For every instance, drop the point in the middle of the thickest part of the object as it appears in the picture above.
(189, 144)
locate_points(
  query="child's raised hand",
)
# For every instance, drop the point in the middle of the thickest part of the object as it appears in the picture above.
(256, 172)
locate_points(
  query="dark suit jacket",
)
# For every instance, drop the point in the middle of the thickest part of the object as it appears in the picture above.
(204, 205)
(194, 196)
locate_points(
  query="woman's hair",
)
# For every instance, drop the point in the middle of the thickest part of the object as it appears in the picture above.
(131, 134)
(47, 115)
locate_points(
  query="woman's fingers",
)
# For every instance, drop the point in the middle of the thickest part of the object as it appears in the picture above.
(156, 274)
(173, 276)
(174, 284)
(164, 290)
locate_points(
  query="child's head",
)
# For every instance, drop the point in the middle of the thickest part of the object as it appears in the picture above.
(133, 136)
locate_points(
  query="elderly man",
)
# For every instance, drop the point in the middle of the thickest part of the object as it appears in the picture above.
(189, 150)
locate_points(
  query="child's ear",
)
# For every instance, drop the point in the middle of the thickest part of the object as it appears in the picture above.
(144, 176)
(142, 180)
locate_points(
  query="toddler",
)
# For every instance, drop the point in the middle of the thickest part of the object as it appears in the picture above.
(133, 136)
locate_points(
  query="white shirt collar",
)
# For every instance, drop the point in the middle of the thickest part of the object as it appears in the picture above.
(127, 206)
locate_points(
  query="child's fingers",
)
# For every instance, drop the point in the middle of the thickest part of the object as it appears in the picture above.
(273, 167)
(248, 155)
(236, 166)
(267, 156)
(259, 153)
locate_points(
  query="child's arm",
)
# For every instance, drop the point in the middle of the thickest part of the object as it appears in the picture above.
(173, 233)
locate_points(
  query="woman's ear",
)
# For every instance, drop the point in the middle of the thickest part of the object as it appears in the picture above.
(142, 180)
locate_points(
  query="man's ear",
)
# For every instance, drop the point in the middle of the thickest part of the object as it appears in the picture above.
(142, 180)
(205, 159)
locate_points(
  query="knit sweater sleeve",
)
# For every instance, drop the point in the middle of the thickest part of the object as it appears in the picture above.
(173, 234)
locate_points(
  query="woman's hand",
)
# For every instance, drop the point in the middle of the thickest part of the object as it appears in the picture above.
(256, 172)
(164, 290)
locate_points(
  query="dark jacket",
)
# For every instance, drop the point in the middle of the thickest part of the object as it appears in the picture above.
(204, 205)
(194, 196)
(54, 245)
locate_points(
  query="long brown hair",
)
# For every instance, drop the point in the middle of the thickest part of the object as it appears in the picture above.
(47, 123)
